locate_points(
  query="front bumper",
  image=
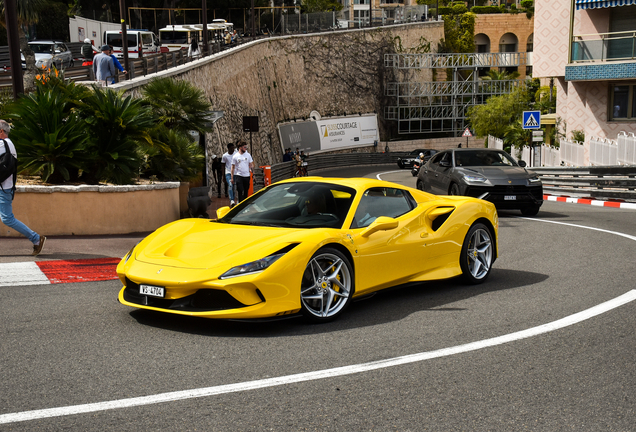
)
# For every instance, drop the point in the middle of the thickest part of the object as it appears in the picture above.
(524, 196)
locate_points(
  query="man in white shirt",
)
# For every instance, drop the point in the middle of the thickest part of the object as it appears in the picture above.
(242, 165)
(6, 197)
(226, 160)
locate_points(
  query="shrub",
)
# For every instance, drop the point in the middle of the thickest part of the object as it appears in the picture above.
(49, 137)
(118, 126)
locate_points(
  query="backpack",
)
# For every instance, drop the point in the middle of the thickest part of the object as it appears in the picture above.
(8, 166)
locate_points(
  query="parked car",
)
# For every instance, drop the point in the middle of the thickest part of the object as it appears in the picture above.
(407, 161)
(50, 53)
(488, 174)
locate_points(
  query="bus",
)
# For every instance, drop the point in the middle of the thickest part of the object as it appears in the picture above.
(176, 37)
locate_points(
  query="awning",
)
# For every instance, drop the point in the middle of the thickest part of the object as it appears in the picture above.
(594, 4)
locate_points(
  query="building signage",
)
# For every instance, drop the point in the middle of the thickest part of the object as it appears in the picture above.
(330, 134)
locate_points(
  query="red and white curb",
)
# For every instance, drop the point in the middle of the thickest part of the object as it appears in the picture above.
(56, 272)
(598, 203)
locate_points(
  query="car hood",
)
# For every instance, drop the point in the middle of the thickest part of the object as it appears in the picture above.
(202, 244)
(499, 173)
(38, 56)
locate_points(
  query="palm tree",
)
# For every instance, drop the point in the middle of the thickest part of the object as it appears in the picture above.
(495, 75)
(28, 13)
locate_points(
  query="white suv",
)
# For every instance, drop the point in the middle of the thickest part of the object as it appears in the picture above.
(50, 53)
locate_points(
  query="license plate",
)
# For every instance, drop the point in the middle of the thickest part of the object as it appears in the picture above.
(152, 291)
(510, 197)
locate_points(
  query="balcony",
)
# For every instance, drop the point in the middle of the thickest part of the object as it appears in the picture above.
(602, 57)
(391, 3)
(604, 47)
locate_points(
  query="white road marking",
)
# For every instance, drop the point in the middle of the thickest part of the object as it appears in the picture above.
(316, 375)
(339, 371)
(22, 273)
(378, 176)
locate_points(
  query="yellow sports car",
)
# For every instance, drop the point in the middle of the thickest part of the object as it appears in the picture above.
(309, 245)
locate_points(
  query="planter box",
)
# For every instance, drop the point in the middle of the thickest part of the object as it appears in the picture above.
(95, 210)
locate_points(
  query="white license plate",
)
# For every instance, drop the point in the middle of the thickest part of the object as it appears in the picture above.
(152, 291)
(510, 197)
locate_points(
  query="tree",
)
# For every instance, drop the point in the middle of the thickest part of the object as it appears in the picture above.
(496, 75)
(28, 13)
(459, 31)
(494, 117)
(309, 6)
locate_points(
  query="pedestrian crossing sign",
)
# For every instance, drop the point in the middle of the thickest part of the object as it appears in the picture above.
(531, 120)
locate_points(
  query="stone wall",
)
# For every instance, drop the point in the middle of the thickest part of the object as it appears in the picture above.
(285, 78)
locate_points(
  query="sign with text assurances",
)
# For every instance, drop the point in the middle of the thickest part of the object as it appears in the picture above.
(330, 134)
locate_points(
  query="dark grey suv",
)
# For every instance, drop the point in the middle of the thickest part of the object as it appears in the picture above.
(489, 174)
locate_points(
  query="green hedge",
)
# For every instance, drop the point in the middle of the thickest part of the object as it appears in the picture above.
(486, 9)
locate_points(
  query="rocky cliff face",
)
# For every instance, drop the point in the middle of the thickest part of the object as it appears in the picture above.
(286, 78)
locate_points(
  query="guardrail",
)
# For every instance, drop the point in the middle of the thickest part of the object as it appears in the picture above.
(285, 170)
(609, 182)
(604, 182)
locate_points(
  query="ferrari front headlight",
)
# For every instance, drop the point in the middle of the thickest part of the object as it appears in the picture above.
(252, 267)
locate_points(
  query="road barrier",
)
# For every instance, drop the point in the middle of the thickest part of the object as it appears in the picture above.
(599, 182)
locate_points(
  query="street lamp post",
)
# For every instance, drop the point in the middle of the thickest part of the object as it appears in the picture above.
(124, 34)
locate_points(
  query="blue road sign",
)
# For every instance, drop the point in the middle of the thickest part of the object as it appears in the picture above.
(531, 120)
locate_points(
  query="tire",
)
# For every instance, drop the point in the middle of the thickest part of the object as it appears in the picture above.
(326, 288)
(477, 254)
(530, 211)
(420, 185)
(400, 165)
(454, 189)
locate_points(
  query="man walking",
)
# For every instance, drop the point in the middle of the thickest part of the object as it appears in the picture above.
(103, 65)
(226, 161)
(242, 165)
(7, 191)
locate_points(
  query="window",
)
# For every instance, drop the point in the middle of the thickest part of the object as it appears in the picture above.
(377, 202)
(622, 102)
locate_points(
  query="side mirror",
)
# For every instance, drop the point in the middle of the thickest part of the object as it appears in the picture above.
(220, 212)
(383, 223)
(445, 164)
(522, 164)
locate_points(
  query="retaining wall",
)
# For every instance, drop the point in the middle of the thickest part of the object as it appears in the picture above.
(96, 210)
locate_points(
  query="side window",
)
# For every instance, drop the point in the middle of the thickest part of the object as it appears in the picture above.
(435, 159)
(376, 202)
(146, 38)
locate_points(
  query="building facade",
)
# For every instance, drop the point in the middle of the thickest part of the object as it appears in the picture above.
(588, 48)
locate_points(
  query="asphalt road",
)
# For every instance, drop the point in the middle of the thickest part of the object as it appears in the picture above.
(74, 344)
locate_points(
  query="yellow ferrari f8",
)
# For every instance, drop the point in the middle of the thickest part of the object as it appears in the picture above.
(309, 246)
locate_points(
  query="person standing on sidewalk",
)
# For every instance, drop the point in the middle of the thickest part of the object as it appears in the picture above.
(226, 161)
(242, 165)
(7, 192)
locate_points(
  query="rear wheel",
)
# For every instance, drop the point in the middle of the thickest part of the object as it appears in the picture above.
(420, 185)
(477, 254)
(327, 285)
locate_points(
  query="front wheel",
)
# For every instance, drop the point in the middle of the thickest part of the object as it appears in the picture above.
(454, 189)
(327, 285)
(420, 185)
(477, 254)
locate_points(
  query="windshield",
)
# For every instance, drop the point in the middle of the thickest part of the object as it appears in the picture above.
(41, 48)
(116, 40)
(295, 205)
(174, 37)
(483, 158)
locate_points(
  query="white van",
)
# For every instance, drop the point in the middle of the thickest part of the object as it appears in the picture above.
(145, 39)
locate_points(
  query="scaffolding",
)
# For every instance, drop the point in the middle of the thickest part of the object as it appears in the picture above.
(442, 106)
